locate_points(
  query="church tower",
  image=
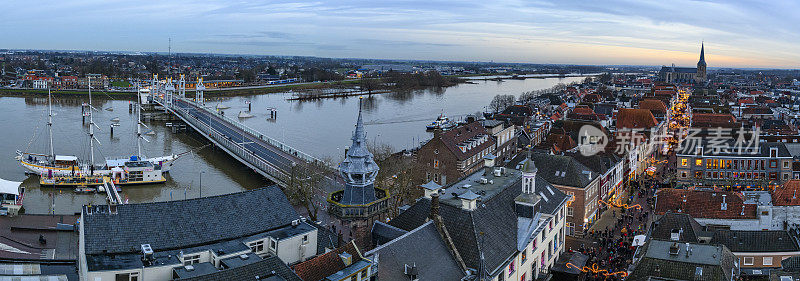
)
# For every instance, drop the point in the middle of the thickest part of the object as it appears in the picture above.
(701, 65)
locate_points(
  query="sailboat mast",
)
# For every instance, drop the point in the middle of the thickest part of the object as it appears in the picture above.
(50, 123)
(138, 122)
(91, 127)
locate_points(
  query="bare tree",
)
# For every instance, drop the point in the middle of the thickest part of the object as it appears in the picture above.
(396, 176)
(501, 102)
(304, 186)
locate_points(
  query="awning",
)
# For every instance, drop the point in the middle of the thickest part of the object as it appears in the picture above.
(9, 187)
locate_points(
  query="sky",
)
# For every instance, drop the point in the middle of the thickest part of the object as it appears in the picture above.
(736, 33)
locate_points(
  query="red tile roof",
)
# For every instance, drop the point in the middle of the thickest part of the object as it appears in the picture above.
(326, 264)
(635, 118)
(655, 106)
(454, 137)
(703, 204)
(710, 120)
(787, 195)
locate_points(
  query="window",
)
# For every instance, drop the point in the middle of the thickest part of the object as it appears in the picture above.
(785, 164)
(191, 259)
(773, 163)
(698, 162)
(305, 239)
(683, 174)
(436, 163)
(257, 247)
(684, 162)
(273, 245)
(570, 211)
(524, 256)
(364, 274)
(766, 261)
(133, 276)
(748, 260)
(511, 268)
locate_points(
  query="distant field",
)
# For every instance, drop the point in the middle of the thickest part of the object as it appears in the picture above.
(120, 83)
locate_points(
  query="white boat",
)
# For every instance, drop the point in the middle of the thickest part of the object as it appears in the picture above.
(53, 164)
(441, 123)
(222, 106)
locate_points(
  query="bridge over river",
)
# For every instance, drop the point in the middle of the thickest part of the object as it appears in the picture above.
(274, 160)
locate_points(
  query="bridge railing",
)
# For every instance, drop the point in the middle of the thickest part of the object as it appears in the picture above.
(273, 142)
(236, 148)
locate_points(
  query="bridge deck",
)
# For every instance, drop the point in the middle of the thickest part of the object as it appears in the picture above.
(267, 156)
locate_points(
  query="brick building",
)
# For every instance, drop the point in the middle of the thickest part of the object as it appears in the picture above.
(453, 154)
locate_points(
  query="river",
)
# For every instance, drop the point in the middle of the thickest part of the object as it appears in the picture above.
(321, 128)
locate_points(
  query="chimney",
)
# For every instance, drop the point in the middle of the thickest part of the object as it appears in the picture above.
(434, 206)
(724, 205)
(488, 163)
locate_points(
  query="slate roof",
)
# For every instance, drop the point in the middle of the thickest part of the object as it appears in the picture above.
(263, 269)
(662, 228)
(716, 262)
(326, 239)
(326, 264)
(563, 170)
(599, 163)
(791, 264)
(382, 233)
(703, 204)
(423, 247)
(756, 241)
(762, 151)
(494, 217)
(185, 223)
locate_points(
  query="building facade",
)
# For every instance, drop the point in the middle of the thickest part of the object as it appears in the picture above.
(686, 74)
(764, 165)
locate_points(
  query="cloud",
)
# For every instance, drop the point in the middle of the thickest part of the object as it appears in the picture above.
(654, 32)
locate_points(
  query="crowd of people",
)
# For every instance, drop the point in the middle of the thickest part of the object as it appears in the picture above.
(613, 248)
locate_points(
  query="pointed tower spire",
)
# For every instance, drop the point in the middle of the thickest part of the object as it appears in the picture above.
(702, 60)
(358, 168)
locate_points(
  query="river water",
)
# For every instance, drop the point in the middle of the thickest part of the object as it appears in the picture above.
(321, 128)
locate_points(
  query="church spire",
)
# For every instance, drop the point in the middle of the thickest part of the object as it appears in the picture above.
(702, 55)
(359, 167)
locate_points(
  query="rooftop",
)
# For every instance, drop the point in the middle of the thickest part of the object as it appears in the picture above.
(185, 223)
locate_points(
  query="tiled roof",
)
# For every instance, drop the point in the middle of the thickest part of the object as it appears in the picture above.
(492, 227)
(787, 194)
(326, 239)
(704, 204)
(724, 120)
(271, 266)
(760, 241)
(326, 264)
(423, 247)
(655, 106)
(663, 227)
(715, 261)
(185, 223)
(453, 137)
(756, 110)
(382, 233)
(635, 118)
(563, 170)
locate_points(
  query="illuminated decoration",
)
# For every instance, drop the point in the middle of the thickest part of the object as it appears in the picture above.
(624, 206)
(596, 270)
(680, 118)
